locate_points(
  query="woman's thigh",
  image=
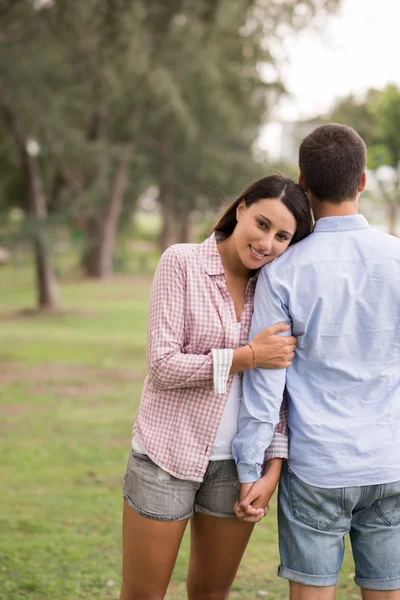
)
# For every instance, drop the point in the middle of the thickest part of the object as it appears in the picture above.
(154, 493)
(150, 548)
(157, 508)
(219, 490)
(216, 549)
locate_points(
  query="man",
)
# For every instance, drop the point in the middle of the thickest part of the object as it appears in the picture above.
(340, 291)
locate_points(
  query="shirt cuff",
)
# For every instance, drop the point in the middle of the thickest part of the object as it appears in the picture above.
(248, 473)
(279, 447)
(222, 363)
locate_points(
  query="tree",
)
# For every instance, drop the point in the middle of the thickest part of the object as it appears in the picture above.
(385, 149)
(205, 137)
(171, 93)
(21, 29)
(376, 117)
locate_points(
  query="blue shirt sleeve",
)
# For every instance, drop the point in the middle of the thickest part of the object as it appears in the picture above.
(262, 388)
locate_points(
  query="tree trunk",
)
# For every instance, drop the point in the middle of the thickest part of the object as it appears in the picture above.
(187, 234)
(102, 231)
(46, 281)
(169, 233)
(90, 258)
(392, 218)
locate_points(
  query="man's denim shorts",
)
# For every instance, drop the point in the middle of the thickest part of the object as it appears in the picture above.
(154, 493)
(313, 522)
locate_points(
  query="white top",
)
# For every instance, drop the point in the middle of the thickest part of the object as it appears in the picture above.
(228, 426)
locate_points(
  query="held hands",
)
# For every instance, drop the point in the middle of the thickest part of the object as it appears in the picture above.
(244, 510)
(273, 351)
(254, 497)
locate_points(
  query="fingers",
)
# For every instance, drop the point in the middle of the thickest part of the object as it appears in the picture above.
(250, 510)
(278, 328)
(254, 517)
(244, 490)
(251, 496)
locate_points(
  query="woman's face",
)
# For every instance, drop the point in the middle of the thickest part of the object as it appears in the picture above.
(263, 231)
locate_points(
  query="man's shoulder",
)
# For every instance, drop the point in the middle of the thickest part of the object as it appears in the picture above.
(314, 249)
(299, 254)
(391, 241)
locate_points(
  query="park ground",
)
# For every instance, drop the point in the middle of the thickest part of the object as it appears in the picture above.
(69, 389)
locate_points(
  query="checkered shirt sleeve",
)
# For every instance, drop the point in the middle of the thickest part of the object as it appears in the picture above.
(168, 367)
(279, 447)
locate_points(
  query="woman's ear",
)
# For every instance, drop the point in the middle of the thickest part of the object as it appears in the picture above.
(240, 209)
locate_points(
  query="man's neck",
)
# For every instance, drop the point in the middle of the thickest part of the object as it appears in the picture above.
(330, 209)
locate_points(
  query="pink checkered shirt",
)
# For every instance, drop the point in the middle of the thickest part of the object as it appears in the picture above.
(191, 337)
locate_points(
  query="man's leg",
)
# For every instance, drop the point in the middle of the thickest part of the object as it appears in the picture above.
(312, 525)
(375, 540)
(309, 592)
(373, 595)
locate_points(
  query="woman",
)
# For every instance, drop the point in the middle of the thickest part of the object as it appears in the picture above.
(181, 466)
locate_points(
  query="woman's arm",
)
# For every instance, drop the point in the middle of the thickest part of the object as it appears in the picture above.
(168, 366)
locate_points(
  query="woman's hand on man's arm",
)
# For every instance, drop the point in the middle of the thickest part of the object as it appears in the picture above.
(266, 350)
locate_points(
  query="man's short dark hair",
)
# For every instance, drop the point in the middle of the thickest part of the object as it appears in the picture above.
(332, 159)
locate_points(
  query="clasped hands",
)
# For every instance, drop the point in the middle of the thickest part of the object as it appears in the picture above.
(254, 500)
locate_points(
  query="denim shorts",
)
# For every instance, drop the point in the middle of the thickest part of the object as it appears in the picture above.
(313, 522)
(154, 493)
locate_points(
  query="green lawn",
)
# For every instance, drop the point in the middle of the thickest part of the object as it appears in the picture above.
(69, 389)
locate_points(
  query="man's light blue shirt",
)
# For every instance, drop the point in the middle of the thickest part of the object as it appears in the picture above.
(340, 290)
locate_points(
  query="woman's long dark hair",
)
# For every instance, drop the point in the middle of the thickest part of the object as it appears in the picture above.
(273, 186)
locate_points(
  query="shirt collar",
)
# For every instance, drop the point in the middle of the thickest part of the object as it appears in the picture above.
(210, 256)
(341, 223)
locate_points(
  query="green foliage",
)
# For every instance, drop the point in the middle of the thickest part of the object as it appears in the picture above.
(376, 117)
(385, 109)
(180, 82)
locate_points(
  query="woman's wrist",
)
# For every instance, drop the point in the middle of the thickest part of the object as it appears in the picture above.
(242, 359)
(273, 465)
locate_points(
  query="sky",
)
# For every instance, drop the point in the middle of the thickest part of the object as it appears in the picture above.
(357, 48)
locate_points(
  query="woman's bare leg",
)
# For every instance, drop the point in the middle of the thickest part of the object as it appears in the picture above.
(150, 549)
(216, 549)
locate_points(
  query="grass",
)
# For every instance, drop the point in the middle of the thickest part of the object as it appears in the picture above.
(69, 388)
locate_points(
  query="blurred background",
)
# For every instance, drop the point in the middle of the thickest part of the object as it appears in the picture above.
(125, 125)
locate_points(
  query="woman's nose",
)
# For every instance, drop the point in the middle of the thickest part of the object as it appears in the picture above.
(266, 244)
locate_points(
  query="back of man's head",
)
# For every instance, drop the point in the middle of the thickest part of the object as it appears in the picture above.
(332, 160)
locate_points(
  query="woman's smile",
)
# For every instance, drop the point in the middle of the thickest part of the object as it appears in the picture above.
(257, 254)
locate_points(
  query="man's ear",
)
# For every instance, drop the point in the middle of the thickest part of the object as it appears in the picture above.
(302, 183)
(363, 182)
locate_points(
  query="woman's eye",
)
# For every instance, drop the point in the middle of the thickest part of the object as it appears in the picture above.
(282, 237)
(262, 224)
